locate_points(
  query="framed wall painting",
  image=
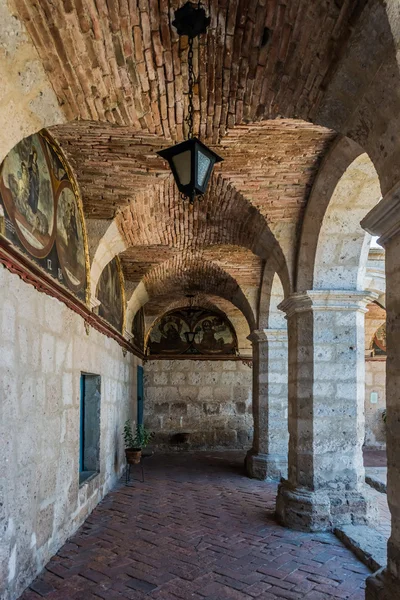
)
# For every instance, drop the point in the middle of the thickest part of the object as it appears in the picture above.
(43, 214)
(110, 293)
(213, 334)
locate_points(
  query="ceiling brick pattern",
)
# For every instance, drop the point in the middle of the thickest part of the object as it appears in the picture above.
(123, 62)
(119, 71)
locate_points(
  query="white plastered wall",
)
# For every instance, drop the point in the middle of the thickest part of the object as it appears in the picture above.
(44, 348)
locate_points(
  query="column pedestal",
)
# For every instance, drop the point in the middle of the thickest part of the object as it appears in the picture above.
(325, 487)
(304, 510)
(266, 466)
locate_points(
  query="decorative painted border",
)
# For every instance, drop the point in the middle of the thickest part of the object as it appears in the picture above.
(17, 263)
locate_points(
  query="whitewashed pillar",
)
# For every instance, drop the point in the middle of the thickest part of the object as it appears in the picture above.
(268, 457)
(326, 479)
(384, 220)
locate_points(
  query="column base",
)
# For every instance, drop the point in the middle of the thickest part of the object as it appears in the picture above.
(270, 467)
(305, 510)
(382, 586)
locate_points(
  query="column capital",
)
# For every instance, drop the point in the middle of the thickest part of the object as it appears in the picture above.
(384, 218)
(322, 300)
(259, 336)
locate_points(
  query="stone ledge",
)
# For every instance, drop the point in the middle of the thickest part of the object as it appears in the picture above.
(376, 478)
(366, 543)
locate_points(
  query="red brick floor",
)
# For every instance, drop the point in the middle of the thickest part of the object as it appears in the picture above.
(197, 529)
(375, 458)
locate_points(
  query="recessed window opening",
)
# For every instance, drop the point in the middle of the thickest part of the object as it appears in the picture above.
(89, 439)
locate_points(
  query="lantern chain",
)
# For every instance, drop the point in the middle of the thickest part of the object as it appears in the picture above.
(189, 119)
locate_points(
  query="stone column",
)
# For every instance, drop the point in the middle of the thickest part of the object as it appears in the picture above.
(384, 220)
(268, 457)
(326, 478)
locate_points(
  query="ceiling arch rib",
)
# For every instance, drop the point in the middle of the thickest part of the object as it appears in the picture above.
(256, 198)
(182, 276)
(160, 305)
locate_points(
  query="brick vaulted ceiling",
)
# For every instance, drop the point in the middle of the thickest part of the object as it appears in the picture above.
(119, 71)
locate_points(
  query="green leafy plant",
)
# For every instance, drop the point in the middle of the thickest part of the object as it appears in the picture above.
(143, 436)
(140, 439)
(129, 438)
(384, 416)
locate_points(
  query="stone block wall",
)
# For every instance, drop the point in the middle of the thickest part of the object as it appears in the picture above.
(43, 350)
(209, 400)
(375, 381)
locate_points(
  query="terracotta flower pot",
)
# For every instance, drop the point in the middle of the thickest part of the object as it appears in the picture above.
(133, 455)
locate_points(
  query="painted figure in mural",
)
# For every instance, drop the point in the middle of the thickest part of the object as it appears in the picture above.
(209, 340)
(34, 186)
(110, 295)
(213, 335)
(170, 330)
(30, 204)
(71, 228)
(69, 238)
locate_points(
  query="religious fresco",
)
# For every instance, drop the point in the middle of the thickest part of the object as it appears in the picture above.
(69, 238)
(42, 211)
(214, 335)
(379, 341)
(111, 295)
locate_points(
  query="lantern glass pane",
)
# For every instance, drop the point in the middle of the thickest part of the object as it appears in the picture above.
(203, 165)
(182, 163)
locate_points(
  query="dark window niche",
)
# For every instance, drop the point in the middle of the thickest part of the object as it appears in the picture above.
(89, 442)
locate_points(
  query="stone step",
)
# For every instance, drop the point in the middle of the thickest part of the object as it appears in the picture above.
(376, 478)
(367, 543)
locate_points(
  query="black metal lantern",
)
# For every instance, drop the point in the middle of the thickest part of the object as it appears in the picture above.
(190, 335)
(191, 162)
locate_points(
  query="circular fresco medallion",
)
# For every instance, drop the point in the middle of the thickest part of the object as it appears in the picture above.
(25, 185)
(69, 238)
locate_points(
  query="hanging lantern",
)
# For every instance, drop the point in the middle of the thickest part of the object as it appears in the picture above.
(191, 162)
(190, 335)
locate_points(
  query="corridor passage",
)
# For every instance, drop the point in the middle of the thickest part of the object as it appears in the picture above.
(197, 529)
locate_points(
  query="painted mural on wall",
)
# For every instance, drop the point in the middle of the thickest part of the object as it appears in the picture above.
(42, 211)
(110, 294)
(379, 341)
(214, 335)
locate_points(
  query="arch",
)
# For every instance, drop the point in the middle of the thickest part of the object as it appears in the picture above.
(111, 244)
(160, 305)
(333, 247)
(188, 275)
(192, 319)
(272, 293)
(343, 246)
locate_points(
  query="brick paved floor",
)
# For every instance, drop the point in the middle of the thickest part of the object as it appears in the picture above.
(375, 458)
(197, 529)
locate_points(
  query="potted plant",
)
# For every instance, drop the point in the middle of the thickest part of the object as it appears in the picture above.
(135, 442)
